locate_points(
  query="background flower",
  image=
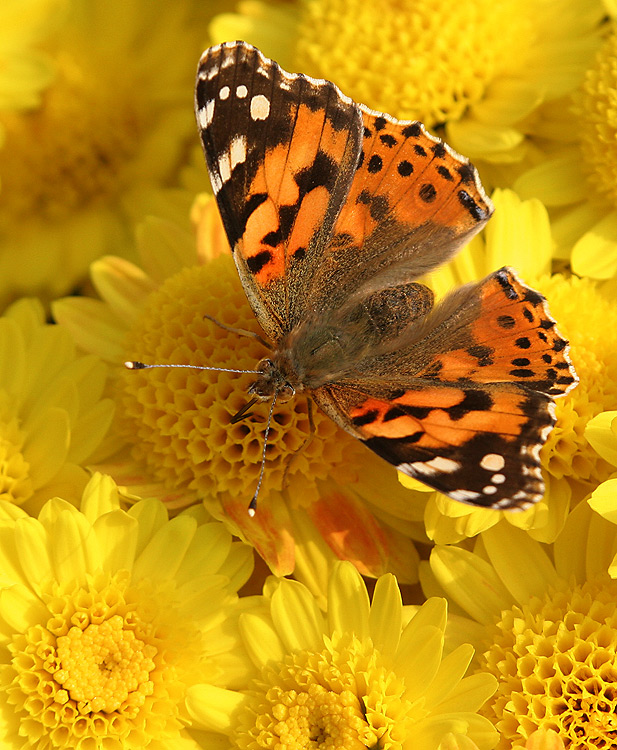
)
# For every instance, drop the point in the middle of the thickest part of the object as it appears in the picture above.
(108, 617)
(548, 626)
(353, 677)
(53, 416)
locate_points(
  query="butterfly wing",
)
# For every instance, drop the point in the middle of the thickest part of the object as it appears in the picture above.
(472, 402)
(281, 150)
(412, 204)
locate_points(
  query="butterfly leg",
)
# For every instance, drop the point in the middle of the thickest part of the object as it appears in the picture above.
(239, 331)
(290, 459)
(244, 412)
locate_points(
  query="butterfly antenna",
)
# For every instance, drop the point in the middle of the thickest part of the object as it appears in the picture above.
(253, 503)
(133, 365)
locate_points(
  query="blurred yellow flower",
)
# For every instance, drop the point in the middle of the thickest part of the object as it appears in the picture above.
(109, 617)
(327, 499)
(53, 416)
(474, 71)
(546, 626)
(103, 137)
(355, 677)
(577, 180)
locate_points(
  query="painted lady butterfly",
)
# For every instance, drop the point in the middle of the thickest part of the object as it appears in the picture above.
(333, 211)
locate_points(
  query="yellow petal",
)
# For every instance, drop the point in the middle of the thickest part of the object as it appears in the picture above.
(451, 671)
(212, 707)
(296, 616)
(261, 640)
(556, 182)
(420, 657)
(471, 582)
(93, 325)
(32, 547)
(116, 533)
(165, 552)
(20, 609)
(348, 601)
(595, 254)
(601, 432)
(386, 617)
(123, 285)
(523, 566)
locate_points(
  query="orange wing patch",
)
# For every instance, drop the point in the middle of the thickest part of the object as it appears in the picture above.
(443, 416)
(407, 175)
(513, 340)
(295, 179)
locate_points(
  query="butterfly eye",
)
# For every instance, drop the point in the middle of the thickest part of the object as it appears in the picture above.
(286, 393)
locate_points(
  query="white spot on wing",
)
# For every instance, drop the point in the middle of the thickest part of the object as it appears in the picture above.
(493, 462)
(437, 465)
(260, 107)
(224, 167)
(241, 91)
(216, 182)
(498, 478)
(224, 92)
(205, 114)
(489, 490)
(237, 150)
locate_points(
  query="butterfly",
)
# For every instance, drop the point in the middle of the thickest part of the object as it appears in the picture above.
(333, 212)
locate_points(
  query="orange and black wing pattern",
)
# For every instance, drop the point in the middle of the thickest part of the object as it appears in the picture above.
(281, 150)
(467, 408)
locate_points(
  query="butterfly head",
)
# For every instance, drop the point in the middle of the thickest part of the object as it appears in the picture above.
(271, 381)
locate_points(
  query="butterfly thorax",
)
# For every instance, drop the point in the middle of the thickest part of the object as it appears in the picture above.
(308, 357)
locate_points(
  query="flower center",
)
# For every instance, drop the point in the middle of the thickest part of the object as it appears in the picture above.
(597, 111)
(105, 666)
(179, 422)
(67, 154)
(15, 482)
(584, 317)
(108, 663)
(440, 57)
(556, 661)
(341, 698)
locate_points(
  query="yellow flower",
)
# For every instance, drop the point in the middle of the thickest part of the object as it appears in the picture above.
(102, 140)
(326, 499)
(545, 621)
(108, 618)
(519, 235)
(355, 677)
(25, 71)
(578, 179)
(476, 71)
(52, 414)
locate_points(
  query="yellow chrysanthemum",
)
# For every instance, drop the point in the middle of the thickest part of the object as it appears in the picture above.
(577, 180)
(519, 235)
(107, 620)
(52, 413)
(546, 625)
(102, 144)
(328, 496)
(25, 71)
(352, 678)
(474, 70)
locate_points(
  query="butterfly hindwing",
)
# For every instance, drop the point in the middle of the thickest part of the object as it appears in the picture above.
(472, 405)
(281, 149)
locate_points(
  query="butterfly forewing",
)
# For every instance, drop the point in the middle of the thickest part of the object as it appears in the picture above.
(280, 149)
